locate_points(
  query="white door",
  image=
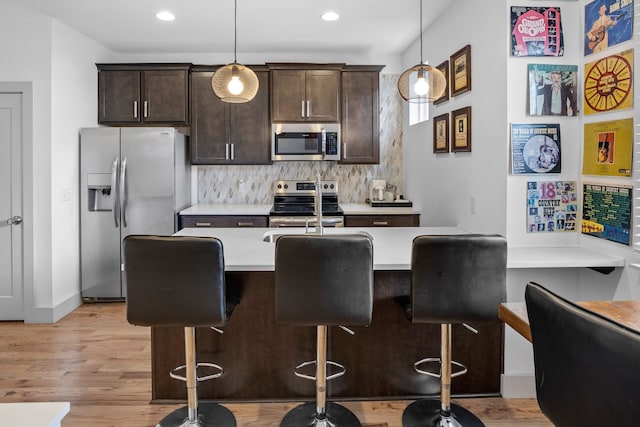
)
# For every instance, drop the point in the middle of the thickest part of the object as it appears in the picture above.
(11, 286)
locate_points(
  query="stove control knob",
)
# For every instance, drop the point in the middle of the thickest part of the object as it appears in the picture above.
(286, 186)
(326, 186)
(332, 186)
(279, 186)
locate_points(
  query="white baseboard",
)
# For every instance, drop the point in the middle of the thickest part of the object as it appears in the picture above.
(518, 385)
(53, 314)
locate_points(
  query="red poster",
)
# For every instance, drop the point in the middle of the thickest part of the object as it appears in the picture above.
(536, 31)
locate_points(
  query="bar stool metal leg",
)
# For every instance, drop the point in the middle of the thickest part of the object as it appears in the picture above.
(206, 414)
(320, 413)
(440, 413)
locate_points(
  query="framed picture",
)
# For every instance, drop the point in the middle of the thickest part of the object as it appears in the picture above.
(444, 68)
(461, 130)
(441, 133)
(461, 71)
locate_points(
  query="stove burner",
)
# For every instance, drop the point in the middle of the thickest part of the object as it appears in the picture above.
(297, 198)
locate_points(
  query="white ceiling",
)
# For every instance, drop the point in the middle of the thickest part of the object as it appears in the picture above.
(370, 27)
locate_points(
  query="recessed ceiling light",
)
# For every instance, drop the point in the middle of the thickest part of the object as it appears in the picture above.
(165, 15)
(330, 16)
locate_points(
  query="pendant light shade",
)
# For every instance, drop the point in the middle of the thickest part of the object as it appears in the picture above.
(235, 83)
(421, 83)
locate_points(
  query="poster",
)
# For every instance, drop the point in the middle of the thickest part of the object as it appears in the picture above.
(553, 90)
(608, 83)
(552, 206)
(536, 31)
(535, 148)
(607, 23)
(608, 148)
(606, 212)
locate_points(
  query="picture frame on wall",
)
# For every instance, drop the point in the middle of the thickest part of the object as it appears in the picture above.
(441, 133)
(461, 130)
(444, 69)
(460, 63)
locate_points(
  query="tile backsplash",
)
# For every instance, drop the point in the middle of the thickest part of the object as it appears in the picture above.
(221, 184)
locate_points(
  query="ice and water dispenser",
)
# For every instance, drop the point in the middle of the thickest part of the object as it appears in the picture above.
(99, 192)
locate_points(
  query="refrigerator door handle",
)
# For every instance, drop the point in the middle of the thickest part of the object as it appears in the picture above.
(123, 191)
(114, 191)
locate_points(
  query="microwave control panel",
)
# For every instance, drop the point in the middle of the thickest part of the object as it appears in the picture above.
(332, 143)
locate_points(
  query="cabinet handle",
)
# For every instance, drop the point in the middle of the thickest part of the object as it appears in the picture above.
(308, 108)
(203, 224)
(135, 109)
(226, 151)
(233, 151)
(145, 106)
(244, 224)
(380, 222)
(302, 109)
(344, 150)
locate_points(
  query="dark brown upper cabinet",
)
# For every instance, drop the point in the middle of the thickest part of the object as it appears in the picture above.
(143, 94)
(360, 122)
(305, 92)
(224, 133)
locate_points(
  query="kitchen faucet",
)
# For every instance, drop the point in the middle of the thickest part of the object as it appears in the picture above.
(318, 202)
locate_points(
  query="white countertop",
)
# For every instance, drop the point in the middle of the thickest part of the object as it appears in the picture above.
(253, 209)
(33, 414)
(560, 257)
(245, 250)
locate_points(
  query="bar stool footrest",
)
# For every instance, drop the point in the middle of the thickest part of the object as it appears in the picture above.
(416, 366)
(427, 413)
(174, 372)
(340, 373)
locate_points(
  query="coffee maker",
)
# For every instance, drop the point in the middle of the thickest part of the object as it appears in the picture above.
(377, 189)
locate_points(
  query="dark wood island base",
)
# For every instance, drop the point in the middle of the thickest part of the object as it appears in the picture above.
(258, 355)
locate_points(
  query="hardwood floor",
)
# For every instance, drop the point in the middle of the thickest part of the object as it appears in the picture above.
(94, 359)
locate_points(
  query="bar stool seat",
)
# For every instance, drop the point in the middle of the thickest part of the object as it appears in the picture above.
(179, 281)
(454, 279)
(321, 281)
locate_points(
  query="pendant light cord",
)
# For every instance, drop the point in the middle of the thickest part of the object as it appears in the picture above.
(235, 31)
(421, 60)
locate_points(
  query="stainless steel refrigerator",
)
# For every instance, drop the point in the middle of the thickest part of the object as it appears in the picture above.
(132, 181)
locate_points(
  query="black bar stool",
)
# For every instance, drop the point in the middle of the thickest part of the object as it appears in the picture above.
(179, 281)
(454, 279)
(323, 281)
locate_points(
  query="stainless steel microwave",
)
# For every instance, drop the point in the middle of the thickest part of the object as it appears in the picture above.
(305, 141)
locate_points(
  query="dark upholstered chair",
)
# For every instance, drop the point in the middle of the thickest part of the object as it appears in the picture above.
(587, 367)
(454, 279)
(179, 281)
(323, 281)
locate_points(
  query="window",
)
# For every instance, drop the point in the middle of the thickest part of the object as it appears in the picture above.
(418, 113)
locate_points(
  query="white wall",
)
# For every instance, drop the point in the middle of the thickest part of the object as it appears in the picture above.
(60, 64)
(74, 105)
(444, 184)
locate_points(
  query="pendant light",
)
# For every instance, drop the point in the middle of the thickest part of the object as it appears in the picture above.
(421, 83)
(235, 83)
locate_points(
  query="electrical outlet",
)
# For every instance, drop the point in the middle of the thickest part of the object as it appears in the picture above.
(472, 205)
(66, 195)
(242, 187)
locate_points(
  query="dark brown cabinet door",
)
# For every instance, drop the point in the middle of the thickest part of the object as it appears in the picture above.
(250, 128)
(288, 96)
(359, 127)
(323, 95)
(119, 97)
(223, 221)
(305, 95)
(209, 131)
(165, 96)
(223, 133)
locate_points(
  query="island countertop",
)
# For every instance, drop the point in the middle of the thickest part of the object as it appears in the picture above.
(245, 249)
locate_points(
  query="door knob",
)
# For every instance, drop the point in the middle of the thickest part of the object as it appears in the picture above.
(15, 220)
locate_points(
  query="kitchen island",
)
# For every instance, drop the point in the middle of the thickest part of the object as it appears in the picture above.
(259, 356)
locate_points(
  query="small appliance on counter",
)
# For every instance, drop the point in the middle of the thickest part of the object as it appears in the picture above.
(383, 195)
